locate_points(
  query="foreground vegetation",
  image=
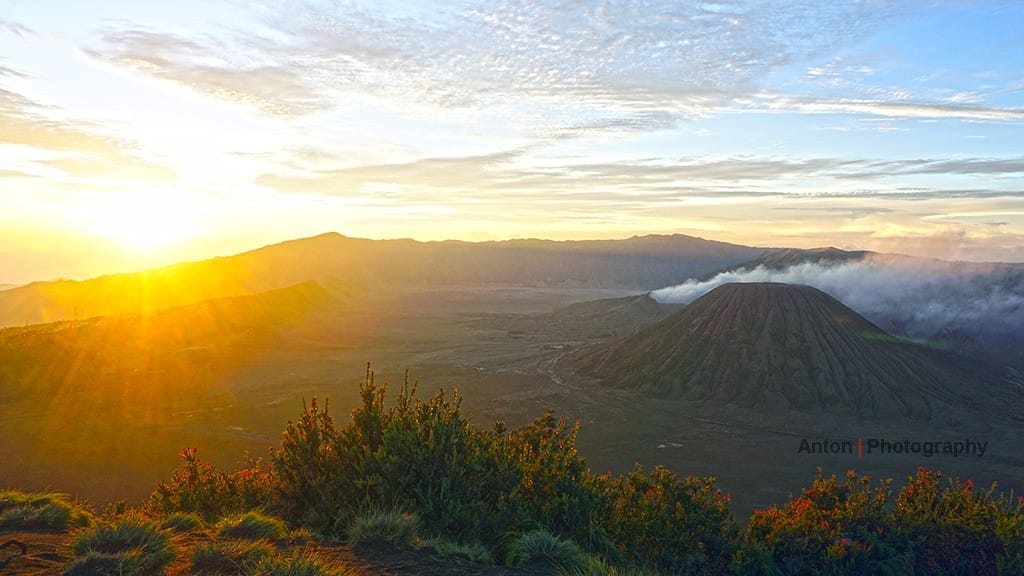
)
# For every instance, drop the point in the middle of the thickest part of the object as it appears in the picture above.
(417, 474)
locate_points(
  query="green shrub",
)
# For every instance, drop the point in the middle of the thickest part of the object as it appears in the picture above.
(832, 527)
(546, 549)
(420, 456)
(28, 511)
(252, 525)
(134, 544)
(955, 529)
(182, 522)
(306, 564)
(199, 488)
(229, 557)
(555, 487)
(856, 527)
(375, 527)
(667, 522)
(309, 470)
(474, 484)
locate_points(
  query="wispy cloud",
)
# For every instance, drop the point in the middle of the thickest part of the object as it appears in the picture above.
(516, 170)
(75, 147)
(638, 63)
(888, 108)
(236, 71)
(14, 28)
(15, 174)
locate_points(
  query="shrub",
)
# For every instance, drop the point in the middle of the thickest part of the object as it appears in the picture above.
(28, 511)
(306, 564)
(229, 557)
(252, 525)
(377, 527)
(474, 484)
(132, 543)
(831, 527)
(544, 548)
(855, 527)
(198, 487)
(309, 470)
(554, 488)
(182, 522)
(420, 456)
(958, 530)
(667, 522)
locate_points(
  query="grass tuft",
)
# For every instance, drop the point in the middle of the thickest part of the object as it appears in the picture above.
(99, 563)
(376, 527)
(133, 544)
(252, 526)
(229, 557)
(544, 548)
(475, 552)
(306, 564)
(29, 511)
(183, 522)
(301, 536)
(589, 565)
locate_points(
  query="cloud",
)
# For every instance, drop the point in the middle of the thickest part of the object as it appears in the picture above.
(217, 67)
(454, 173)
(15, 28)
(984, 241)
(119, 164)
(749, 176)
(79, 148)
(635, 65)
(884, 107)
(914, 297)
(15, 174)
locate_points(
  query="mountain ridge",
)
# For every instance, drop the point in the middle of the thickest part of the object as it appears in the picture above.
(642, 262)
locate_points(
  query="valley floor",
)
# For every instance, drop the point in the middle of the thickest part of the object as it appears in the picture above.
(500, 347)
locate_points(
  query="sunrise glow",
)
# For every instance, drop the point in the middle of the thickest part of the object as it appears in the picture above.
(191, 129)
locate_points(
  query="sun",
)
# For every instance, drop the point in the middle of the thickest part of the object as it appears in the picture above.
(141, 225)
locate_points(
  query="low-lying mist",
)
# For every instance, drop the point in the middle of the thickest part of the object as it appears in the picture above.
(977, 307)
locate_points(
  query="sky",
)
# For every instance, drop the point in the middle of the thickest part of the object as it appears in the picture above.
(134, 134)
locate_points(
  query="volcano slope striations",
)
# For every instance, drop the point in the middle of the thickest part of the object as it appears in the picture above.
(782, 346)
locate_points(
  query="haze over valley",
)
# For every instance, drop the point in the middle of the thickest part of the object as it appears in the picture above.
(218, 353)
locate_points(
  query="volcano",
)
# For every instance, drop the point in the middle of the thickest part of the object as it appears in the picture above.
(786, 346)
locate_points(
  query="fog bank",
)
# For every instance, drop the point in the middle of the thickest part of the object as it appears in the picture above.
(919, 298)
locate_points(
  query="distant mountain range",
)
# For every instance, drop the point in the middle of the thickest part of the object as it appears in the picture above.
(786, 347)
(344, 264)
(977, 308)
